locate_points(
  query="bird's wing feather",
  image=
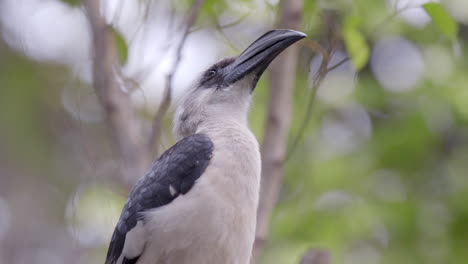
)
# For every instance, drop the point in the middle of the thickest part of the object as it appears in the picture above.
(174, 173)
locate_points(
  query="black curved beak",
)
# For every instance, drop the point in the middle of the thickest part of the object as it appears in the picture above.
(257, 56)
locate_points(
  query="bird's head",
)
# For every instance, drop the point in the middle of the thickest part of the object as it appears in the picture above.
(223, 91)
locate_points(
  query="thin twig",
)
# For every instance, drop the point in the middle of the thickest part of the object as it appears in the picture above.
(220, 29)
(148, 9)
(117, 14)
(316, 256)
(226, 38)
(167, 96)
(143, 21)
(392, 15)
(315, 46)
(332, 30)
(324, 70)
(235, 22)
(316, 81)
(338, 64)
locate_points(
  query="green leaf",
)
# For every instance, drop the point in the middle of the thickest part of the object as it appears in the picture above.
(212, 8)
(355, 42)
(442, 19)
(122, 48)
(72, 2)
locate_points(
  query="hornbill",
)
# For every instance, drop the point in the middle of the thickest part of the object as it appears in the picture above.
(197, 203)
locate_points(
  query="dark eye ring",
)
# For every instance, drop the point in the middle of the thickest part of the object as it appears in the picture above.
(211, 73)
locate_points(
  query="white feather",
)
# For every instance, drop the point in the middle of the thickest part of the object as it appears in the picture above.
(134, 242)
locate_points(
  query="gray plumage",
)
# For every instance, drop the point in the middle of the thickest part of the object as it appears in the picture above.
(198, 202)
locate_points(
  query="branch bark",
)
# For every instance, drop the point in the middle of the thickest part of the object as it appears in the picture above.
(282, 80)
(167, 96)
(316, 81)
(316, 256)
(115, 102)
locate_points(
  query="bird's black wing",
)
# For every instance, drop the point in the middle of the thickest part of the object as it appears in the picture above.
(174, 173)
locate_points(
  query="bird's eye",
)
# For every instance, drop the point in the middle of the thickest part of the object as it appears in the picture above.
(211, 73)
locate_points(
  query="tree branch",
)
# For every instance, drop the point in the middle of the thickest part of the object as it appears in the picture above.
(114, 101)
(316, 82)
(282, 77)
(316, 256)
(338, 64)
(220, 28)
(325, 69)
(167, 97)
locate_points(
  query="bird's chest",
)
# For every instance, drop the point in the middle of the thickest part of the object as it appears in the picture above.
(217, 216)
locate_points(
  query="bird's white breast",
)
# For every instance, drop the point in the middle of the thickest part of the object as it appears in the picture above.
(215, 221)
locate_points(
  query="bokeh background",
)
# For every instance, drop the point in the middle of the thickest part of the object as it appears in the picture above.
(380, 174)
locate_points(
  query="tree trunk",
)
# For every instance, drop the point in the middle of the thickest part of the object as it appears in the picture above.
(282, 79)
(124, 132)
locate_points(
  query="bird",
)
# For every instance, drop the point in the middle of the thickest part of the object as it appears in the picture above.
(197, 203)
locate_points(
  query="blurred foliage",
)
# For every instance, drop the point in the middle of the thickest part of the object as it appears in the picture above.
(395, 195)
(355, 42)
(121, 45)
(442, 19)
(72, 2)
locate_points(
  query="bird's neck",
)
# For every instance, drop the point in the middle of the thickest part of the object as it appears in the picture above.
(210, 119)
(224, 127)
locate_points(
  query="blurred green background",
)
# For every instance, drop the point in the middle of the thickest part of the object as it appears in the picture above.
(380, 175)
